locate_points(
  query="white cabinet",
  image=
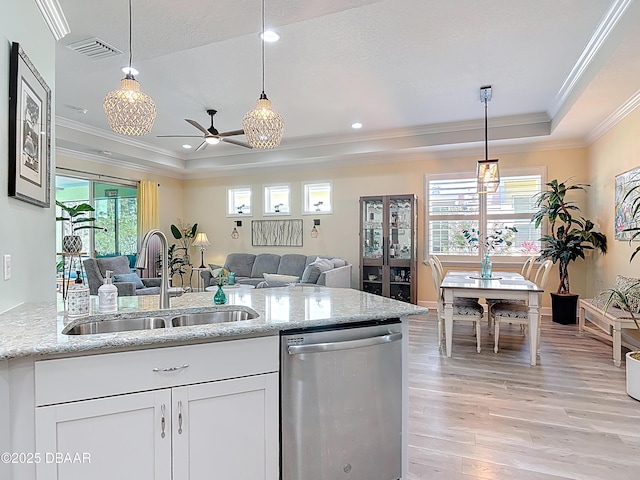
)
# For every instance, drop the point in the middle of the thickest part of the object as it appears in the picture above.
(224, 428)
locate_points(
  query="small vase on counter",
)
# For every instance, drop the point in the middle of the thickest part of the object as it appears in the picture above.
(486, 265)
(220, 298)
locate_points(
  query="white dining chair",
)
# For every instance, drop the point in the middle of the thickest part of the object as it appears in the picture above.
(463, 310)
(518, 313)
(527, 267)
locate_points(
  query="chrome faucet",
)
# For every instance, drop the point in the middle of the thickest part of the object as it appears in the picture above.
(141, 262)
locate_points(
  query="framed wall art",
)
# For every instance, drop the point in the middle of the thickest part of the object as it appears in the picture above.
(276, 233)
(624, 218)
(29, 131)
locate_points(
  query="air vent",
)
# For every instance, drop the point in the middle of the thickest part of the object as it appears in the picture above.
(94, 48)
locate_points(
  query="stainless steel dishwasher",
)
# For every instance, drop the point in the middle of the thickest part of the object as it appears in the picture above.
(341, 402)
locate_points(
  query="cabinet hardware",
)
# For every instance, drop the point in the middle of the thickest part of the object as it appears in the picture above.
(180, 417)
(162, 421)
(170, 369)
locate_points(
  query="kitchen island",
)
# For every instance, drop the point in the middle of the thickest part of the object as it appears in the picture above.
(166, 401)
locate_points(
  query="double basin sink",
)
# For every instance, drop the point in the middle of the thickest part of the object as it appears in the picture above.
(156, 321)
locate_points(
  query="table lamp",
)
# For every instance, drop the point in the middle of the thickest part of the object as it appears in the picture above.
(201, 241)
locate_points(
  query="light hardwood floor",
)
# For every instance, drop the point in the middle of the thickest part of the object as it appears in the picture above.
(493, 416)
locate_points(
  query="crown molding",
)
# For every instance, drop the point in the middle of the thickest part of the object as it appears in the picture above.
(598, 39)
(615, 118)
(54, 17)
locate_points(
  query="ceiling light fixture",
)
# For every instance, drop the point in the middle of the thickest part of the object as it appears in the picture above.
(212, 140)
(356, 125)
(128, 110)
(488, 172)
(187, 146)
(270, 36)
(129, 69)
(263, 127)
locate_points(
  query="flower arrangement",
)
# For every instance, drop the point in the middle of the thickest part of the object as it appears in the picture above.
(499, 238)
(222, 278)
(185, 233)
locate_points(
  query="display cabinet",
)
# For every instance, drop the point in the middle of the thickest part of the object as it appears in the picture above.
(388, 233)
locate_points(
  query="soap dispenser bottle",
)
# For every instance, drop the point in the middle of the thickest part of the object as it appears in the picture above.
(107, 295)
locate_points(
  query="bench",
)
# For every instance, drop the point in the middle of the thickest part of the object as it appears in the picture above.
(614, 325)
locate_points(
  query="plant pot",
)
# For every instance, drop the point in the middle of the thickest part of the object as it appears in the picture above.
(633, 376)
(564, 308)
(71, 244)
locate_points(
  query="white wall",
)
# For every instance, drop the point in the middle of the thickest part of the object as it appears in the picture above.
(27, 232)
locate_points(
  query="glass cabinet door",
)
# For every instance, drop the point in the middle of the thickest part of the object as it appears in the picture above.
(372, 244)
(400, 228)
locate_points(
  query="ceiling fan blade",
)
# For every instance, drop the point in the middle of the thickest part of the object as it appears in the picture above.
(198, 126)
(236, 142)
(180, 136)
(202, 146)
(231, 133)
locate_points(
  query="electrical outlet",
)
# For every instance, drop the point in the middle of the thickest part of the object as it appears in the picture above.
(7, 267)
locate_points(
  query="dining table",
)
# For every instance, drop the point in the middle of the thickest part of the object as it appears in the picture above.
(501, 285)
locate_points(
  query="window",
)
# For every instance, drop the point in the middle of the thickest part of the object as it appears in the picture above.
(454, 206)
(239, 201)
(276, 199)
(316, 198)
(116, 210)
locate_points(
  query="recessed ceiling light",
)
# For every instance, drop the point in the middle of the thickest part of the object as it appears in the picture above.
(356, 125)
(82, 111)
(270, 36)
(126, 70)
(187, 146)
(212, 140)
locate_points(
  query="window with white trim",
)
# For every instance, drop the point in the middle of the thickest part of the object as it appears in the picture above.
(454, 207)
(277, 199)
(239, 201)
(316, 198)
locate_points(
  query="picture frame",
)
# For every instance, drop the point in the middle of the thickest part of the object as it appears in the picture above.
(276, 233)
(623, 214)
(29, 131)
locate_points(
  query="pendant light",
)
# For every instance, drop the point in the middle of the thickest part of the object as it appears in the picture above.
(128, 110)
(263, 126)
(488, 173)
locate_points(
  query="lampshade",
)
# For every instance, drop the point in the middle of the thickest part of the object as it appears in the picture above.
(263, 127)
(201, 240)
(488, 173)
(128, 110)
(488, 176)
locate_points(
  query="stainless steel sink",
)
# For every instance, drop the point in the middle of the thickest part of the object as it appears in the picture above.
(206, 318)
(117, 325)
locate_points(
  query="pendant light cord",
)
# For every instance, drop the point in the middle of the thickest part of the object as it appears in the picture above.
(486, 132)
(262, 38)
(130, 54)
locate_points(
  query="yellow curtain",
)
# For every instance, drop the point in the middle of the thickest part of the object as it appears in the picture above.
(148, 208)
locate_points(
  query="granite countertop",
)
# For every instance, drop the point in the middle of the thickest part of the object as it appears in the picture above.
(34, 329)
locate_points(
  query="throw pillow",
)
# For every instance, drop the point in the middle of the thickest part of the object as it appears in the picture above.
(323, 264)
(338, 262)
(632, 286)
(311, 274)
(129, 277)
(275, 277)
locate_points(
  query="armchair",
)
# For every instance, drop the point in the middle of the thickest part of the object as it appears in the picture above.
(96, 268)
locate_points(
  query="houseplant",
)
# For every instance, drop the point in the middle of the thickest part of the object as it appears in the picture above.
(626, 296)
(569, 236)
(185, 233)
(500, 239)
(77, 220)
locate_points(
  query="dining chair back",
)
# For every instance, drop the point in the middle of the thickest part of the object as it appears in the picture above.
(527, 267)
(438, 265)
(542, 274)
(463, 310)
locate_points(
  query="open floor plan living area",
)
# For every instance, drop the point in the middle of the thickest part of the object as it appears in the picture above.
(301, 240)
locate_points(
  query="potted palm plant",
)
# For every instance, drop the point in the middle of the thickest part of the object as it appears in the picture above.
(76, 216)
(569, 236)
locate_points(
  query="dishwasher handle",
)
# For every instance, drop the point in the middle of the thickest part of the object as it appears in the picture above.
(334, 346)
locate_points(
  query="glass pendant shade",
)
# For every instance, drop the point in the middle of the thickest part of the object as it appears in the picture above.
(263, 126)
(128, 110)
(488, 176)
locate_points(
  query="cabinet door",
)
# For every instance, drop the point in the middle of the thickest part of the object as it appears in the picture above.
(107, 438)
(227, 429)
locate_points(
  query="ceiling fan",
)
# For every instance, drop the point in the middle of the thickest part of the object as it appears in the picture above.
(211, 134)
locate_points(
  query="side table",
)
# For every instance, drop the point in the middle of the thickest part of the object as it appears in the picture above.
(67, 266)
(200, 282)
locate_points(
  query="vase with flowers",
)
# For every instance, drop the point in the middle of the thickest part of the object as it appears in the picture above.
(499, 240)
